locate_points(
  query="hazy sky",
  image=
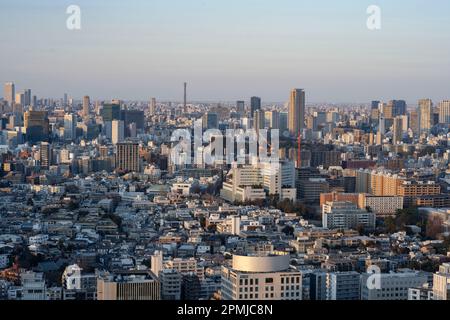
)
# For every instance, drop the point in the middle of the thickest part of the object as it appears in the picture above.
(228, 49)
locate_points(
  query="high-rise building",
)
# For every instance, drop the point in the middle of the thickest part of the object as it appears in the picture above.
(45, 155)
(117, 131)
(263, 277)
(110, 112)
(398, 107)
(414, 122)
(185, 97)
(10, 93)
(152, 107)
(258, 120)
(70, 126)
(398, 130)
(240, 107)
(36, 124)
(26, 97)
(425, 115)
(255, 104)
(86, 106)
(210, 121)
(296, 121)
(273, 119)
(444, 112)
(127, 157)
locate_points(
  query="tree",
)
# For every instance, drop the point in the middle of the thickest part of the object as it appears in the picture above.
(288, 230)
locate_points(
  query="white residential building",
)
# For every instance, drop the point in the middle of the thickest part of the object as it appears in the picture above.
(346, 215)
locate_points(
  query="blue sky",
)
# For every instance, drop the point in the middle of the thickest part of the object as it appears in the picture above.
(228, 50)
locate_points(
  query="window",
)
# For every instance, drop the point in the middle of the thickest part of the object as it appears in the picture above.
(269, 280)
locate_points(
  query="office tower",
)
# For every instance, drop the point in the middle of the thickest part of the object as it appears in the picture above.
(10, 93)
(111, 112)
(132, 116)
(374, 104)
(398, 107)
(272, 119)
(425, 115)
(388, 110)
(117, 131)
(414, 122)
(283, 122)
(27, 97)
(70, 127)
(152, 107)
(398, 130)
(45, 155)
(20, 98)
(258, 120)
(240, 107)
(444, 112)
(255, 104)
(36, 124)
(65, 100)
(185, 97)
(34, 102)
(127, 157)
(263, 277)
(86, 105)
(382, 125)
(296, 121)
(128, 285)
(210, 121)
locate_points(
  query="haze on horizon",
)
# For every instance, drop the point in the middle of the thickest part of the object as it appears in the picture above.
(228, 50)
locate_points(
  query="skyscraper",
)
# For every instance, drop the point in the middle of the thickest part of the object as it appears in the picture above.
(127, 157)
(36, 124)
(27, 97)
(444, 112)
(240, 107)
(86, 104)
(110, 112)
(398, 107)
(185, 97)
(152, 107)
(70, 126)
(296, 119)
(10, 93)
(425, 115)
(255, 104)
(398, 130)
(117, 131)
(45, 155)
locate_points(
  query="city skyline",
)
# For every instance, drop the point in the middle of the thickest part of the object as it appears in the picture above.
(229, 51)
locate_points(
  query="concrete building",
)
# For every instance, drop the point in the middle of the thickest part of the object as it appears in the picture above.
(343, 285)
(346, 215)
(441, 283)
(127, 157)
(391, 286)
(259, 278)
(296, 114)
(128, 286)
